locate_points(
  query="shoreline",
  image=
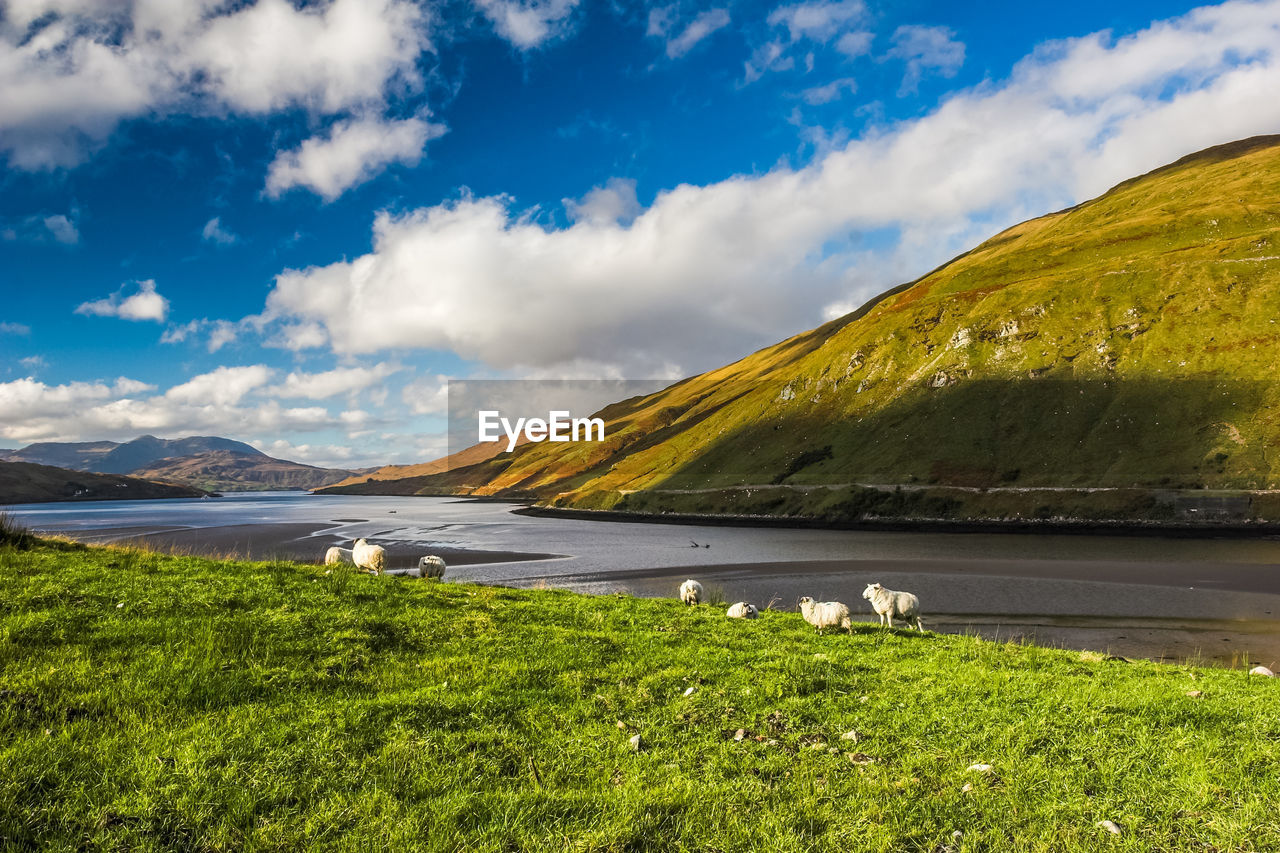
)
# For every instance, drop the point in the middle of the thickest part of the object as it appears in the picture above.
(1083, 527)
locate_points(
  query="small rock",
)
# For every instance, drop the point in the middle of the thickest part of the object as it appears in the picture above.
(1195, 694)
(968, 786)
(852, 735)
(622, 725)
(1110, 826)
(859, 758)
(739, 734)
(635, 743)
(690, 691)
(981, 768)
(1262, 670)
(121, 604)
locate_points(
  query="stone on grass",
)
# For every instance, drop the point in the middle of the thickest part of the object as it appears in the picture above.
(635, 743)
(852, 735)
(1110, 826)
(739, 734)
(690, 691)
(1262, 670)
(981, 768)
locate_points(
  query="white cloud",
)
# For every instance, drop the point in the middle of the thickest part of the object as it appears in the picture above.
(698, 29)
(832, 91)
(33, 362)
(427, 396)
(528, 23)
(70, 71)
(615, 202)
(707, 273)
(926, 49)
(7, 328)
(352, 153)
(343, 380)
(213, 232)
(145, 304)
(62, 229)
(855, 44)
(226, 401)
(817, 21)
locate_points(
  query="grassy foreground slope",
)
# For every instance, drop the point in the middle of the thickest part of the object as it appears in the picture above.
(153, 702)
(1129, 341)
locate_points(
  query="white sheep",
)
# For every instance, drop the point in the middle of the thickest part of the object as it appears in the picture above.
(372, 558)
(742, 610)
(892, 605)
(691, 592)
(431, 566)
(826, 614)
(336, 556)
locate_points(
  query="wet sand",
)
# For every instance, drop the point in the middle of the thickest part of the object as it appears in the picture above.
(1160, 611)
(299, 541)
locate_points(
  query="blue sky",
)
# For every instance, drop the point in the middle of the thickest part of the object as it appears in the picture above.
(289, 223)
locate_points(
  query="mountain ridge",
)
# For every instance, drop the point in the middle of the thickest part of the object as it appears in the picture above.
(1126, 341)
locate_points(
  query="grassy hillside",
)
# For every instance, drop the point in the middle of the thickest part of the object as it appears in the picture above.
(167, 702)
(24, 482)
(1129, 341)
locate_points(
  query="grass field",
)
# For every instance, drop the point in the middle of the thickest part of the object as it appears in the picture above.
(153, 702)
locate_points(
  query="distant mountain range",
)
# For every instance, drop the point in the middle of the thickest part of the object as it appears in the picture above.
(1129, 342)
(204, 462)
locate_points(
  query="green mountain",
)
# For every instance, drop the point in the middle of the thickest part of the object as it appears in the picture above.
(1128, 342)
(26, 482)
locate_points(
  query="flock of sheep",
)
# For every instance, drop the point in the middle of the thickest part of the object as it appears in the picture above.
(373, 558)
(888, 604)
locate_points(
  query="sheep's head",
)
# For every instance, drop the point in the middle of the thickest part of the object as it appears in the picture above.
(871, 590)
(805, 601)
(361, 542)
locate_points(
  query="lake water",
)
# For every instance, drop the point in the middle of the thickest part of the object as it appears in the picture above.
(1147, 596)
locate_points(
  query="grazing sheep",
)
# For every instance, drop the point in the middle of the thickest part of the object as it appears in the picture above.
(825, 614)
(371, 558)
(892, 605)
(691, 592)
(431, 566)
(336, 556)
(742, 610)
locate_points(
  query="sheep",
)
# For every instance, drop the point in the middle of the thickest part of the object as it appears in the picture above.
(431, 566)
(892, 605)
(742, 610)
(826, 614)
(691, 592)
(336, 556)
(372, 558)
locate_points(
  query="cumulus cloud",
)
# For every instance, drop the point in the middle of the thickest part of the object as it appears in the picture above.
(330, 383)
(145, 303)
(231, 400)
(71, 71)
(528, 23)
(615, 202)
(707, 273)
(698, 29)
(42, 228)
(214, 232)
(352, 153)
(926, 49)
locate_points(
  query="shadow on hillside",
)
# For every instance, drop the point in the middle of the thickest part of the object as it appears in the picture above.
(1184, 433)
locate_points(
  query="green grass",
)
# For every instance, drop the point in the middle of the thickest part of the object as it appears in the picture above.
(154, 702)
